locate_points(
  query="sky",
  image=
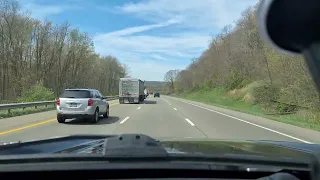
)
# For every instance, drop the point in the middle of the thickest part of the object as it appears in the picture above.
(150, 36)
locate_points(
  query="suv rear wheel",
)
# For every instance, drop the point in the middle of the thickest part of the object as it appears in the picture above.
(95, 117)
(61, 119)
(106, 114)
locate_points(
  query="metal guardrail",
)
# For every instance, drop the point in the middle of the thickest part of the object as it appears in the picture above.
(36, 104)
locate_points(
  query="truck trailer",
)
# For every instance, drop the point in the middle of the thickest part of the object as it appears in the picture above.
(131, 90)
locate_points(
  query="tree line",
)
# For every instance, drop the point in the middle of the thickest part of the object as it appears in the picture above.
(237, 58)
(34, 52)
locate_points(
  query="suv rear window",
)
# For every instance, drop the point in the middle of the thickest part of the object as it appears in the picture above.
(76, 94)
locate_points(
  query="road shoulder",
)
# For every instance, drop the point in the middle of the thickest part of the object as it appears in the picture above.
(295, 131)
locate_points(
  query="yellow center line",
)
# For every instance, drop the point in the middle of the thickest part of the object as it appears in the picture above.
(34, 125)
(26, 127)
(114, 104)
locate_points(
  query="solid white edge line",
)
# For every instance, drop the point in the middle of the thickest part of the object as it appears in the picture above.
(268, 129)
(175, 108)
(124, 120)
(191, 123)
(139, 107)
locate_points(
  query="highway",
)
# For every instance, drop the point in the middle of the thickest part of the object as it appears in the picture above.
(162, 118)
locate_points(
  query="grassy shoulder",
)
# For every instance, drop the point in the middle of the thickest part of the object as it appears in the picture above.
(220, 98)
(20, 112)
(33, 94)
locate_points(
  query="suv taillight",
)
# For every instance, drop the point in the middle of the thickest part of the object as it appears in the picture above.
(58, 102)
(90, 102)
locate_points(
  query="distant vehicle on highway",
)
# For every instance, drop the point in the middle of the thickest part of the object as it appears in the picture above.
(81, 103)
(131, 90)
(156, 94)
(145, 93)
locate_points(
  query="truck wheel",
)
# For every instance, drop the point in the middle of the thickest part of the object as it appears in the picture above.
(95, 117)
(61, 119)
(120, 101)
(106, 114)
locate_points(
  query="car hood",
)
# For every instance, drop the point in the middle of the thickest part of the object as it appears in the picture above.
(84, 144)
(234, 148)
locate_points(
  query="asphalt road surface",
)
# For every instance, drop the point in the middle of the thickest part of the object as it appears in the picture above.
(162, 118)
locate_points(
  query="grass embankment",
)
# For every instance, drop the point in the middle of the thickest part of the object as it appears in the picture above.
(242, 100)
(29, 110)
(33, 94)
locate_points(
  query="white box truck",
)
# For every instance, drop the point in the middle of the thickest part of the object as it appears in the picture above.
(131, 90)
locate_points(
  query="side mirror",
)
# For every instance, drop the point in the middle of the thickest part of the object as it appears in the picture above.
(293, 27)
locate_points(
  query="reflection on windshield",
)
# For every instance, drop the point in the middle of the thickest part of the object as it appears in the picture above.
(232, 148)
(185, 69)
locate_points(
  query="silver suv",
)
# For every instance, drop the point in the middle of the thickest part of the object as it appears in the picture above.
(81, 103)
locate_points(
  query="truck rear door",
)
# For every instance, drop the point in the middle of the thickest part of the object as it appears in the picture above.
(129, 88)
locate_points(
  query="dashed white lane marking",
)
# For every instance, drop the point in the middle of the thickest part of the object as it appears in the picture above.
(175, 108)
(124, 120)
(139, 107)
(268, 129)
(191, 123)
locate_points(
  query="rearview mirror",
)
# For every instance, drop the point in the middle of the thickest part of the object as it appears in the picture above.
(293, 27)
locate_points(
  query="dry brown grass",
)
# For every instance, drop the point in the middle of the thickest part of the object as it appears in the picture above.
(242, 94)
(309, 115)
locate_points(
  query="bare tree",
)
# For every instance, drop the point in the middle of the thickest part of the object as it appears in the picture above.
(238, 57)
(55, 56)
(170, 77)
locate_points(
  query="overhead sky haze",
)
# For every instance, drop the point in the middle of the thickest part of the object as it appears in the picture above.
(150, 36)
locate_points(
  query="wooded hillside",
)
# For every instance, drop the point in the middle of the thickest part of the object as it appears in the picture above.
(243, 66)
(155, 86)
(55, 56)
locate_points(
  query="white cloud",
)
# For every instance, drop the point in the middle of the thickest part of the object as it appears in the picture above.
(137, 29)
(171, 46)
(41, 11)
(156, 56)
(139, 51)
(192, 13)
(151, 56)
(150, 71)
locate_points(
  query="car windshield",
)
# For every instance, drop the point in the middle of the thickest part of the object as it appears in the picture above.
(172, 70)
